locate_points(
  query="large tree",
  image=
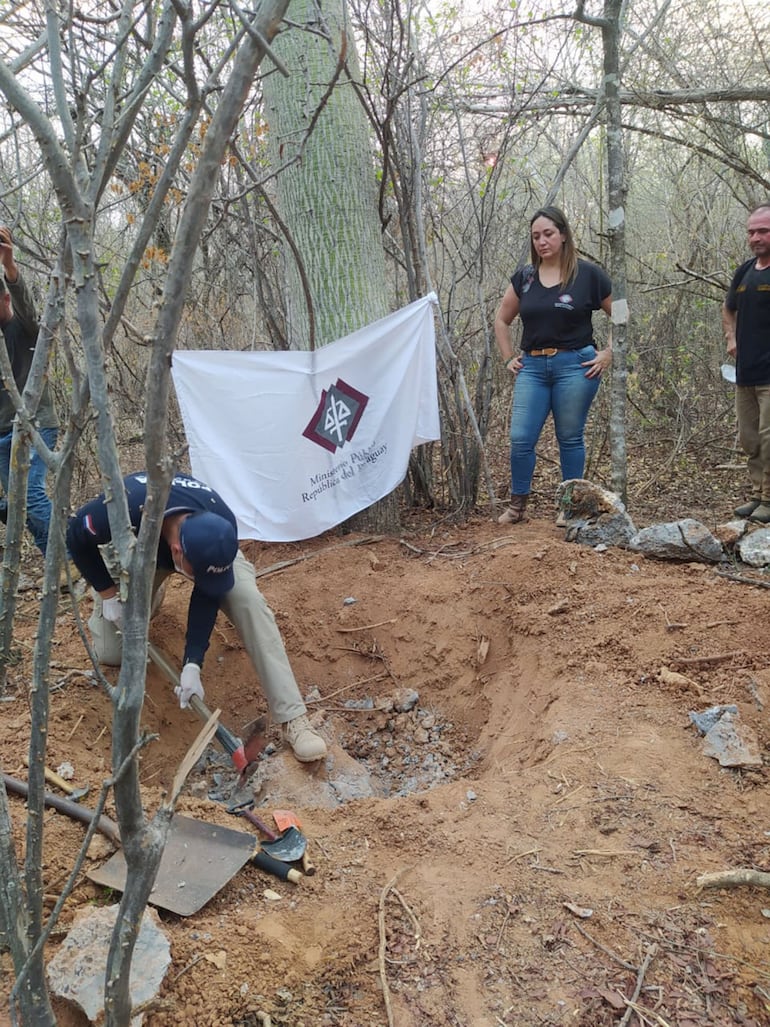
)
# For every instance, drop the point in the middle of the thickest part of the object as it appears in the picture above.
(326, 192)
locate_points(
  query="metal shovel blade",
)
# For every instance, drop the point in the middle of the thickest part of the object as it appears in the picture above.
(198, 860)
(288, 848)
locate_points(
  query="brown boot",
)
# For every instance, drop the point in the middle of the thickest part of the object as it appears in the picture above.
(516, 512)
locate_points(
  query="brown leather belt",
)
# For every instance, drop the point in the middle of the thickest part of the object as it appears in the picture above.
(550, 352)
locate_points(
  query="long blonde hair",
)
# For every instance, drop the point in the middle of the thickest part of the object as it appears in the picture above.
(569, 257)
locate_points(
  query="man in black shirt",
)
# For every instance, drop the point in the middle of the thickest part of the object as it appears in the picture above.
(746, 323)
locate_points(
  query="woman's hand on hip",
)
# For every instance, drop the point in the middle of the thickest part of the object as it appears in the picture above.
(600, 363)
(514, 364)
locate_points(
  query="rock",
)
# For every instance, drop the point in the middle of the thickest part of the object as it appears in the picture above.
(730, 532)
(705, 720)
(592, 515)
(671, 677)
(732, 743)
(687, 539)
(405, 699)
(100, 847)
(754, 549)
(338, 779)
(77, 972)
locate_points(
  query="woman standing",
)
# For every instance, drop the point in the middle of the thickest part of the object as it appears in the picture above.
(559, 368)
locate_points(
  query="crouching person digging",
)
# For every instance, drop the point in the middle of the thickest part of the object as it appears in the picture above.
(198, 540)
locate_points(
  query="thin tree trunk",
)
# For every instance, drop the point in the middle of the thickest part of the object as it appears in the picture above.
(616, 195)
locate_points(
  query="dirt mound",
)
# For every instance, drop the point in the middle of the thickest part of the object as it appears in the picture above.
(516, 806)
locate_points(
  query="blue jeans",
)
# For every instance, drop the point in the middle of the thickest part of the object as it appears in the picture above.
(38, 503)
(556, 385)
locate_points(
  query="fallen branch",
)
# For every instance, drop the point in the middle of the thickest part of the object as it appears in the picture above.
(703, 661)
(742, 579)
(631, 1003)
(604, 949)
(565, 797)
(734, 878)
(605, 852)
(346, 688)
(494, 543)
(368, 627)
(383, 945)
(521, 855)
(643, 1013)
(412, 917)
(275, 567)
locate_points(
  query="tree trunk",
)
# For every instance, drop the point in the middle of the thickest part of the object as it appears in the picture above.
(616, 195)
(327, 193)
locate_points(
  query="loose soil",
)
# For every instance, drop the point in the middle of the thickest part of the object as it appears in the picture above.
(518, 846)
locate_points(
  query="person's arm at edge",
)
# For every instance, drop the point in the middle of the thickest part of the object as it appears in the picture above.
(603, 357)
(21, 295)
(23, 304)
(88, 529)
(504, 318)
(201, 617)
(729, 318)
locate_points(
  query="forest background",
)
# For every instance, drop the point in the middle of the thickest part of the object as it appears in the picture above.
(209, 176)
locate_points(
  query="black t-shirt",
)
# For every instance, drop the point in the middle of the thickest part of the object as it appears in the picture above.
(749, 296)
(558, 316)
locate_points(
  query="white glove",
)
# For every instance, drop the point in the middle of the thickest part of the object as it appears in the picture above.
(189, 685)
(112, 610)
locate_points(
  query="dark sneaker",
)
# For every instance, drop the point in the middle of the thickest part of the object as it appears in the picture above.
(761, 514)
(747, 509)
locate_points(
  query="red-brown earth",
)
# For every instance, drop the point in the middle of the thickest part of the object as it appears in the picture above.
(544, 811)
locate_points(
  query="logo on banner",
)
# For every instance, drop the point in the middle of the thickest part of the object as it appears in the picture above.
(336, 417)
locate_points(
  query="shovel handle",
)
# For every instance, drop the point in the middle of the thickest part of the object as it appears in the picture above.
(233, 746)
(276, 868)
(72, 809)
(259, 823)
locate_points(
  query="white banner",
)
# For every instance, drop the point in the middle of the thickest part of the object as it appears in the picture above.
(296, 442)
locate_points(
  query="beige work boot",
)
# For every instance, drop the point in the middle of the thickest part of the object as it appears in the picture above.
(307, 744)
(748, 508)
(516, 512)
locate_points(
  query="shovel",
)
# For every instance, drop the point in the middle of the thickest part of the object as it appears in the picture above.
(199, 858)
(288, 847)
(243, 754)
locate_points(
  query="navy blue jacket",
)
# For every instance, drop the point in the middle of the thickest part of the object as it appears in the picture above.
(89, 528)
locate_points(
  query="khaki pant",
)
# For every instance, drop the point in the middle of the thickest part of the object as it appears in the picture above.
(752, 407)
(245, 607)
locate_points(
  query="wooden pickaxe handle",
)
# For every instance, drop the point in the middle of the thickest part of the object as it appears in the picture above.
(56, 779)
(233, 746)
(59, 782)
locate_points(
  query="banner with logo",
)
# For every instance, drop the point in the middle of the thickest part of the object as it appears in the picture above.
(297, 442)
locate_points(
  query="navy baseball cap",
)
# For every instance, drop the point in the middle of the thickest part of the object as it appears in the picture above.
(209, 543)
